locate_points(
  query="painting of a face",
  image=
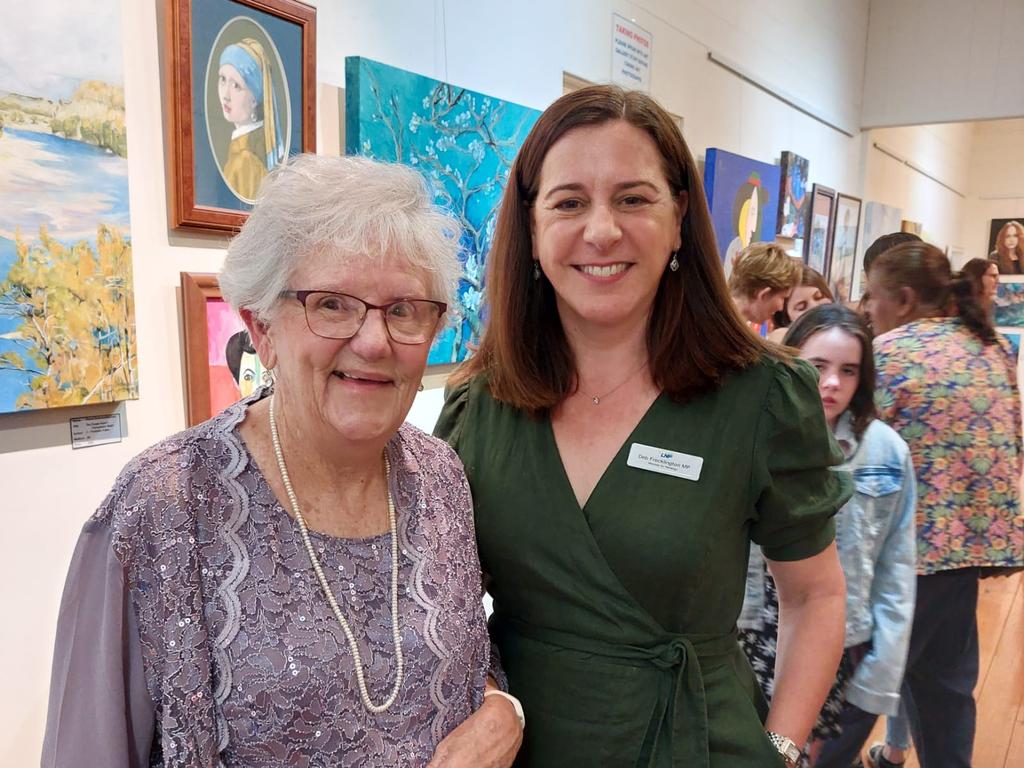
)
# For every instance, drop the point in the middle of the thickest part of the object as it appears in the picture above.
(251, 374)
(1011, 239)
(236, 99)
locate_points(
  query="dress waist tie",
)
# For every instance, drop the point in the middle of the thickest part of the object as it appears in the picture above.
(677, 654)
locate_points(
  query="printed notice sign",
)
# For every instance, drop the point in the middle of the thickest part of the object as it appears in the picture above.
(631, 54)
(88, 431)
(664, 461)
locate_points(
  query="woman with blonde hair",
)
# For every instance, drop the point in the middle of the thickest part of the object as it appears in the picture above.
(762, 279)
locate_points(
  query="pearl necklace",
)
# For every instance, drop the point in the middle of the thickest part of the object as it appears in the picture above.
(364, 694)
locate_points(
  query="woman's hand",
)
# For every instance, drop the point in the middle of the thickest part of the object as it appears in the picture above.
(489, 738)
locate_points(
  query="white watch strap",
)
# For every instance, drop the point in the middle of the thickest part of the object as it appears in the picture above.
(516, 705)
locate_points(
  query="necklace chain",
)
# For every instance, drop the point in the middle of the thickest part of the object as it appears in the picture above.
(364, 694)
(596, 399)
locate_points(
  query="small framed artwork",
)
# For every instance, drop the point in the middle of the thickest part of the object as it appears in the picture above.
(793, 196)
(243, 99)
(817, 243)
(844, 247)
(221, 365)
(1006, 245)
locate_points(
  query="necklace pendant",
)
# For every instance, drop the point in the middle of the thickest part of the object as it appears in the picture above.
(596, 400)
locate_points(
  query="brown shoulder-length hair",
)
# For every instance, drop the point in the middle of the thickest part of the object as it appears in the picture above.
(695, 335)
(825, 317)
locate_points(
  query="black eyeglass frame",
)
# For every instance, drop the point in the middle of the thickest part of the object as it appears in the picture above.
(303, 295)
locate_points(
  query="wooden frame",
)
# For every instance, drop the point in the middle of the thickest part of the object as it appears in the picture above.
(207, 190)
(197, 289)
(843, 264)
(813, 258)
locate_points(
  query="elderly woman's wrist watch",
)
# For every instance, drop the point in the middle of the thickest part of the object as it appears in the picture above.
(787, 748)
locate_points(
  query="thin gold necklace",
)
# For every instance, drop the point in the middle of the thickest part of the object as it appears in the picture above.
(364, 693)
(596, 399)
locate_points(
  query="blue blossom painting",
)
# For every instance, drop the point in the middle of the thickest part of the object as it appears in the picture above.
(743, 195)
(464, 142)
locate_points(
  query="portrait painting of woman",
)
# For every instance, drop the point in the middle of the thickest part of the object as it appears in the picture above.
(1007, 247)
(246, 79)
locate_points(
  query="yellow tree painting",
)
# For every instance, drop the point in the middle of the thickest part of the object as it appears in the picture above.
(67, 317)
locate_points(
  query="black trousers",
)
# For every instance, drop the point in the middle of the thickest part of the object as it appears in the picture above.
(938, 689)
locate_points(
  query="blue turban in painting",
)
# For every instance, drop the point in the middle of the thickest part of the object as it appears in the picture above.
(248, 57)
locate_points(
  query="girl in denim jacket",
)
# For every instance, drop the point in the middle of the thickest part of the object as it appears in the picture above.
(874, 533)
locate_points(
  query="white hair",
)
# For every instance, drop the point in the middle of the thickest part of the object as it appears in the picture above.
(349, 205)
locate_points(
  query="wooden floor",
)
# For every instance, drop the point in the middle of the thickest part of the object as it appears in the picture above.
(999, 742)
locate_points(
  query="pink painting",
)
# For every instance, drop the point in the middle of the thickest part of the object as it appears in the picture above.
(221, 324)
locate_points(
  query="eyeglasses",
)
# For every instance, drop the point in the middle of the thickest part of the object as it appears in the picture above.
(340, 316)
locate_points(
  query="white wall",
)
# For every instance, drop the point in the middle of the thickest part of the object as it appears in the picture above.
(515, 50)
(996, 184)
(943, 152)
(937, 61)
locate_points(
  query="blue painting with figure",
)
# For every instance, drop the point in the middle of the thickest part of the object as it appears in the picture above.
(743, 195)
(464, 142)
(1009, 302)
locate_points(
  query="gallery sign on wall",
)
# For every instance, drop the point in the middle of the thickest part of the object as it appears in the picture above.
(67, 312)
(464, 142)
(631, 54)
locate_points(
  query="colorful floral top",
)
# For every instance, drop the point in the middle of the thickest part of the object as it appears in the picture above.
(955, 402)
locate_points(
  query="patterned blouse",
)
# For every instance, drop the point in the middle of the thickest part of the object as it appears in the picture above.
(954, 401)
(193, 632)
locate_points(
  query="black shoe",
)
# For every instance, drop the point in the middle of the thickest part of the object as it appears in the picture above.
(876, 760)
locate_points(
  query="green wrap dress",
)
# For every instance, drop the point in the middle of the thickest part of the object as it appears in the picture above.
(616, 623)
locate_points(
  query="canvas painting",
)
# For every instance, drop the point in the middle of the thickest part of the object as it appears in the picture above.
(464, 142)
(744, 198)
(1006, 245)
(817, 244)
(879, 219)
(1009, 305)
(793, 196)
(844, 247)
(67, 313)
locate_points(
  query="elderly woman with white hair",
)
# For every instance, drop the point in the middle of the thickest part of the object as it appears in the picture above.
(295, 581)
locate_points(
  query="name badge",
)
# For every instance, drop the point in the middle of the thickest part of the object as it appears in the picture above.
(665, 462)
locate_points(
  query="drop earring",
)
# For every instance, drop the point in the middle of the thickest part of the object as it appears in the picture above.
(674, 264)
(536, 271)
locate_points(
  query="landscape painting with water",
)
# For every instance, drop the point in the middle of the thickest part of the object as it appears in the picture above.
(67, 318)
(463, 142)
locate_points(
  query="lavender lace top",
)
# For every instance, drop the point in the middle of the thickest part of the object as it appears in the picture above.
(193, 631)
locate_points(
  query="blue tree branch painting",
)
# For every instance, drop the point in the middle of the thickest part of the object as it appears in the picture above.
(463, 141)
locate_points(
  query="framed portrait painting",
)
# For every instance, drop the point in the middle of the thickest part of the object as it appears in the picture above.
(1006, 245)
(243, 99)
(221, 365)
(819, 228)
(844, 247)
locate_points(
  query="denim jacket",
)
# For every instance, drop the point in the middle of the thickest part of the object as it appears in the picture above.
(875, 536)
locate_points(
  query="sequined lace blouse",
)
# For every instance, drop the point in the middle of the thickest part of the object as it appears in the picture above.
(193, 631)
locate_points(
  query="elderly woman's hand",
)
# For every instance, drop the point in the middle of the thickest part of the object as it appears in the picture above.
(489, 738)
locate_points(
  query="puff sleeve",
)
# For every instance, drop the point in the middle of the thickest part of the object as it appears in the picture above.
(796, 492)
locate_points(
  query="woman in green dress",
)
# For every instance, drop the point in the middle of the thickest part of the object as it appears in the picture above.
(626, 437)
